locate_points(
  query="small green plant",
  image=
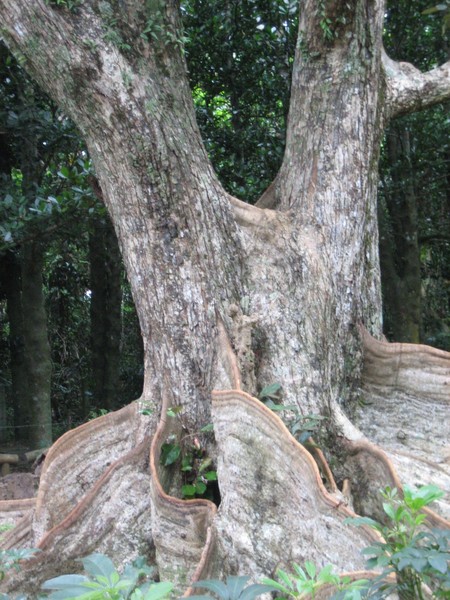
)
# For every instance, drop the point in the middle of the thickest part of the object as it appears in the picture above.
(97, 412)
(195, 467)
(10, 559)
(325, 22)
(198, 475)
(416, 556)
(234, 589)
(302, 427)
(305, 582)
(5, 527)
(270, 395)
(71, 5)
(170, 453)
(103, 581)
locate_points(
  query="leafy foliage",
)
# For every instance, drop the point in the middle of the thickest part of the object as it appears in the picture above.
(240, 57)
(198, 475)
(11, 558)
(71, 5)
(304, 582)
(233, 589)
(302, 427)
(104, 581)
(415, 184)
(415, 555)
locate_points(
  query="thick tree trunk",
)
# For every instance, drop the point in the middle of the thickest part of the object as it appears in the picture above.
(230, 297)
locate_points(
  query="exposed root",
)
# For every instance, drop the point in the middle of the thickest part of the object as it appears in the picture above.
(272, 495)
(180, 528)
(406, 393)
(271, 487)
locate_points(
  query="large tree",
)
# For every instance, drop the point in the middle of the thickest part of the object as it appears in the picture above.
(232, 297)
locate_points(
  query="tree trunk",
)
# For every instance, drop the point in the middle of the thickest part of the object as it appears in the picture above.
(106, 325)
(12, 281)
(37, 349)
(399, 247)
(230, 297)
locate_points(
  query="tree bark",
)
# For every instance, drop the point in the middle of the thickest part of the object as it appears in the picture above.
(230, 297)
(37, 349)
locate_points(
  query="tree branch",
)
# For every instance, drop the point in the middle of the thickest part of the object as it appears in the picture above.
(409, 90)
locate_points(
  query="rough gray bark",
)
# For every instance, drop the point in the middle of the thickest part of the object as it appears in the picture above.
(229, 297)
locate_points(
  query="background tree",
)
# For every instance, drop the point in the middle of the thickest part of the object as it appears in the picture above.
(45, 270)
(231, 297)
(413, 193)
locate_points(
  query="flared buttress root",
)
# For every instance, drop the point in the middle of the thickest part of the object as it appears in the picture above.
(405, 410)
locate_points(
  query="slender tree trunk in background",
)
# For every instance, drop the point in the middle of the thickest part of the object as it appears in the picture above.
(20, 391)
(37, 349)
(4, 429)
(399, 248)
(3, 413)
(106, 327)
(230, 297)
(38, 361)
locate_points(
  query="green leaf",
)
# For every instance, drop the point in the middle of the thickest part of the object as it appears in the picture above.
(200, 487)
(254, 590)
(204, 464)
(65, 581)
(389, 510)
(359, 521)
(326, 575)
(271, 391)
(417, 499)
(64, 172)
(169, 454)
(214, 585)
(276, 585)
(211, 476)
(235, 586)
(440, 563)
(158, 590)
(72, 593)
(207, 428)
(285, 578)
(310, 569)
(188, 490)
